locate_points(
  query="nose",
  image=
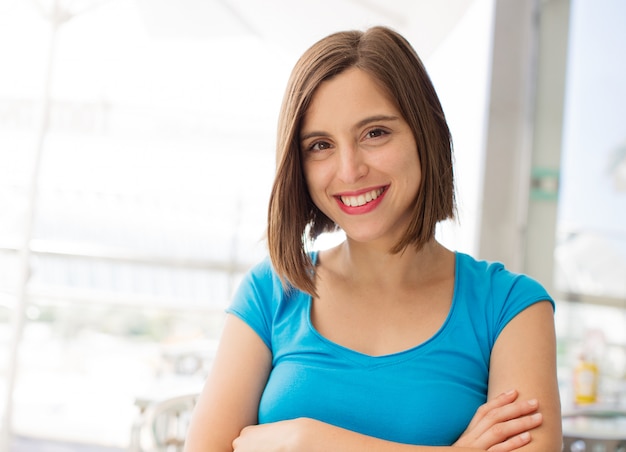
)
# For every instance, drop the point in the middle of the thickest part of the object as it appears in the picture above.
(352, 165)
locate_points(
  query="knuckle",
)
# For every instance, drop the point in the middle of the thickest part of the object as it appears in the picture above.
(498, 430)
(483, 409)
(493, 414)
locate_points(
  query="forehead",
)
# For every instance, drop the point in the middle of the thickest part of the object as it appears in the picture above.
(348, 96)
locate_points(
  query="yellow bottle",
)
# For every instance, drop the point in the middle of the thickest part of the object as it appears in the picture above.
(586, 382)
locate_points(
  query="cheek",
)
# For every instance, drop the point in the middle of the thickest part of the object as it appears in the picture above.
(404, 164)
(315, 176)
(308, 176)
(313, 182)
(317, 180)
(416, 177)
(412, 170)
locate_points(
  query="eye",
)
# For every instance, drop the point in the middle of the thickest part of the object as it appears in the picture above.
(376, 133)
(318, 146)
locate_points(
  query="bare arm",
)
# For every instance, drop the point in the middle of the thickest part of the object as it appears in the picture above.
(524, 357)
(500, 425)
(230, 398)
(314, 436)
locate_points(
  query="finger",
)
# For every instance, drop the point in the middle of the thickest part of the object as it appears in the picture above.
(511, 411)
(510, 432)
(497, 402)
(505, 413)
(512, 443)
(237, 442)
(506, 422)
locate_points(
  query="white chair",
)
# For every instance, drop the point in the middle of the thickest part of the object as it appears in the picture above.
(163, 425)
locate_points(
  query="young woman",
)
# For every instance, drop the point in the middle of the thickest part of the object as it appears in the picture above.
(389, 341)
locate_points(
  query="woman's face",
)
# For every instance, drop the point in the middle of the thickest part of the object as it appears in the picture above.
(360, 158)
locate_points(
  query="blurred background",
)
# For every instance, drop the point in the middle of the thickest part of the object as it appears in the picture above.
(137, 154)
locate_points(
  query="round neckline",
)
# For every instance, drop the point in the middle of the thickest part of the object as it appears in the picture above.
(400, 355)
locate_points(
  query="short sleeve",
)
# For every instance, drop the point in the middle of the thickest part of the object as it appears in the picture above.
(513, 293)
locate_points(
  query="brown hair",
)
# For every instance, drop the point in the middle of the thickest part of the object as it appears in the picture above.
(388, 58)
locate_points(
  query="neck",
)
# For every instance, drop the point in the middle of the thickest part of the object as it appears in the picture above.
(366, 265)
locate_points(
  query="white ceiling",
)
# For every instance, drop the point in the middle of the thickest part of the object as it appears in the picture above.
(297, 24)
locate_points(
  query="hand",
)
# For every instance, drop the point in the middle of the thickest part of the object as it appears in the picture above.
(272, 437)
(502, 424)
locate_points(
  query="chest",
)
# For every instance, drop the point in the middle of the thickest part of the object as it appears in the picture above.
(415, 397)
(378, 322)
(426, 394)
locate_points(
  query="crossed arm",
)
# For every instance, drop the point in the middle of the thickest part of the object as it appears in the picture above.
(526, 418)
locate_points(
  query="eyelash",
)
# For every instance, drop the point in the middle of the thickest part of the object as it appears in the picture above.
(372, 133)
(312, 147)
(379, 131)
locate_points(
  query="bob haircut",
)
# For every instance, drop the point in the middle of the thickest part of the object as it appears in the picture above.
(389, 59)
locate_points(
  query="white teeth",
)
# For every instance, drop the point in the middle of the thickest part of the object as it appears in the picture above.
(355, 201)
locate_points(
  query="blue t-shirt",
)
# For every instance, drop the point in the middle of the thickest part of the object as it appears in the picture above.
(425, 395)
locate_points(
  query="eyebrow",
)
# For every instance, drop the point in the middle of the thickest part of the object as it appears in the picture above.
(361, 123)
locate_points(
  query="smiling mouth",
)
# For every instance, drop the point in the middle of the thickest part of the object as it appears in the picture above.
(362, 199)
